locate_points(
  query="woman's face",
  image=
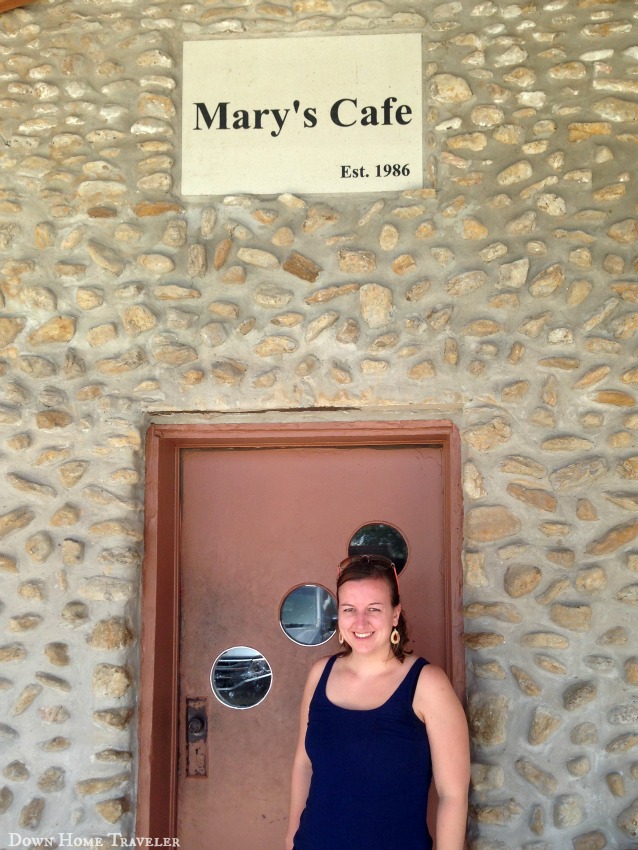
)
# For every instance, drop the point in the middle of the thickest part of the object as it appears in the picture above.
(366, 615)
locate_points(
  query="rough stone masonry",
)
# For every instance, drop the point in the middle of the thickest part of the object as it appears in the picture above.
(502, 296)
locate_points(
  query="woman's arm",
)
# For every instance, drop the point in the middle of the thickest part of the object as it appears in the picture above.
(301, 767)
(446, 725)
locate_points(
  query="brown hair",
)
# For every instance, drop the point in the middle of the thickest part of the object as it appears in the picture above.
(360, 567)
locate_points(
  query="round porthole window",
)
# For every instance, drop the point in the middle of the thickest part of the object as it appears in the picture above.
(380, 538)
(241, 677)
(308, 615)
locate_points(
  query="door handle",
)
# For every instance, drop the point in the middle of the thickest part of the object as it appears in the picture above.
(196, 736)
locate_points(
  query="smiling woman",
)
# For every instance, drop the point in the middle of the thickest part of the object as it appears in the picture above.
(369, 715)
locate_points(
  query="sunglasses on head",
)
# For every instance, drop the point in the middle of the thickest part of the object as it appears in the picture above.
(376, 560)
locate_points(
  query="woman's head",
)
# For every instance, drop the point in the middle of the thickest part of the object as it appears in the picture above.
(359, 568)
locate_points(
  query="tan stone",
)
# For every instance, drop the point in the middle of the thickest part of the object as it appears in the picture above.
(130, 360)
(330, 292)
(586, 511)
(488, 714)
(465, 283)
(57, 329)
(422, 371)
(482, 640)
(106, 258)
(287, 320)
(566, 444)
(389, 237)
(521, 465)
(525, 682)
(258, 257)
(101, 785)
(376, 304)
(49, 420)
(581, 473)
(167, 349)
(75, 614)
(550, 664)
(474, 569)
(584, 734)
(112, 810)
(404, 264)
(448, 88)
(9, 330)
(579, 766)
(230, 372)
(541, 780)
(488, 435)
(590, 580)
(302, 267)
(544, 724)
(275, 345)
(28, 695)
(175, 292)
(114, 718)
(111, 634)
(114, 756)
(627, 820)
(175, 233)
(320, 324)
(31, 814)
(111, 680)
(486, 524)
(521, 579)
(138, 319)
(548, 281)
(269, 296)
(533, 496)
(616, 537)
(569, 811)
(487, 777)
(57, 653)
(545, 640)
(497, 610)
(70, 473)
(623, 743)
(51, 780)
(557, 588)
(497, 814)
(631, 671)
(53, 682)
(221, 252)
(579, 694)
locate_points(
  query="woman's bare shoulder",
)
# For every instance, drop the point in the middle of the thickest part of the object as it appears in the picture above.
(434, 690)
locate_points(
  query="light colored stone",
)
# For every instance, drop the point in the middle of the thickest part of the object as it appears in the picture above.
(487, 524)
(541, 780)
(449, 88)
(488, 715)
(492, 434)
(376, 304)
(111, 634)
(521, 579)
(258, 257)
(569, 811)
(579, 694)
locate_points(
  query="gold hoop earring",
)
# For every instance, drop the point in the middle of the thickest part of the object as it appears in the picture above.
(395, 637)
(340, 638)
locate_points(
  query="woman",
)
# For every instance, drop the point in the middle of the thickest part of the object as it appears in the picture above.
(375, 727)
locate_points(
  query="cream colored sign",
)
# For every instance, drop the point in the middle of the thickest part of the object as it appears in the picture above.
(313, 115)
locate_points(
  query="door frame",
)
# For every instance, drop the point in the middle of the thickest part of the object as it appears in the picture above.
(158, 703)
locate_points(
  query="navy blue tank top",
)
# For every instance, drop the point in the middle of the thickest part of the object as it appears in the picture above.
(371, 773)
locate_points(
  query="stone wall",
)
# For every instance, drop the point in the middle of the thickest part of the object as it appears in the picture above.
(502, 296)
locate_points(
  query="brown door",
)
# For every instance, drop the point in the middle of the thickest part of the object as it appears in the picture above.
(255, 524)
